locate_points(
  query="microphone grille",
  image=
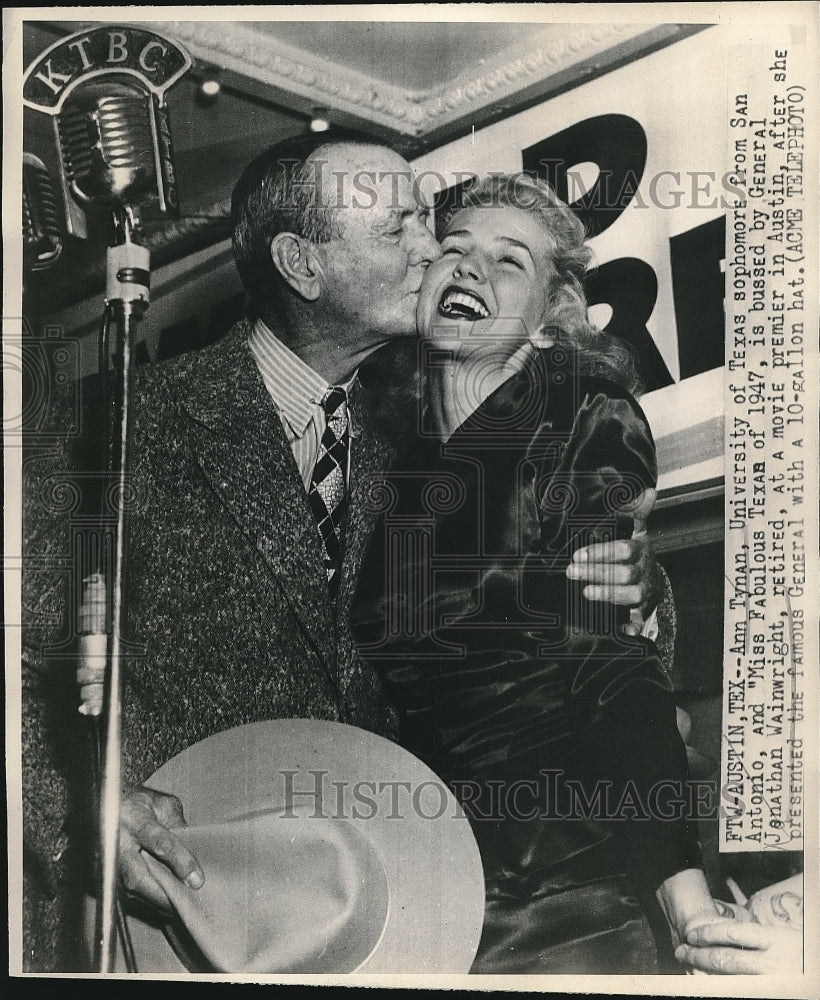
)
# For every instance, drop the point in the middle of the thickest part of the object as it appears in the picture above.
(125, 132)
(75, 142)
(41, 214)
(107, 143)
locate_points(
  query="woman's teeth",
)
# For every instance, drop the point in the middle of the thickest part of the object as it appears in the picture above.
(463, 305)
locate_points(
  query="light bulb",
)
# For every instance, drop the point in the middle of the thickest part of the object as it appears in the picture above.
(210, 87)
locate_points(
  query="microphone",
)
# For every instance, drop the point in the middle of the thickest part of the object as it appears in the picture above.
(108, 133)
(104, 89)
(42, 229)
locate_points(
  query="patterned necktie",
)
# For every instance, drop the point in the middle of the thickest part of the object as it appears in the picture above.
(327, 494)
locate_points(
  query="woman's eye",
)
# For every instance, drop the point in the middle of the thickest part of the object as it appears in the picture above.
(450, 250)
(513, 261)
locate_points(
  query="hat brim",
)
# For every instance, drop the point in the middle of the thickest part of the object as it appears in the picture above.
(427, 851)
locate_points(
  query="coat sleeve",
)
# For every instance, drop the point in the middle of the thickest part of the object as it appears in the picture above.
(667, 625)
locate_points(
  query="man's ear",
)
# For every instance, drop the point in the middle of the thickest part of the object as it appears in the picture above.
(294, 258)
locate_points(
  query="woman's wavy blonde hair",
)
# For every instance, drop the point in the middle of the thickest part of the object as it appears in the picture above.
(599, 354)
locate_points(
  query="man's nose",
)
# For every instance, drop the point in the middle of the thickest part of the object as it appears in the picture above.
(425, 247)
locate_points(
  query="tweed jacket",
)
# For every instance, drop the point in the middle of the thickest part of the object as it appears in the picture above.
(229, 619)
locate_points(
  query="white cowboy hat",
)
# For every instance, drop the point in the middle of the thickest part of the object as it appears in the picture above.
(326, 849)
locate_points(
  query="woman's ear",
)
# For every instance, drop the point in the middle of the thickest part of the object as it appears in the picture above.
(546, 333)
(544, 336)
(294, 259)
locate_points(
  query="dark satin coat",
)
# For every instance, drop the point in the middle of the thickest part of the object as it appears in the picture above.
(514, 688)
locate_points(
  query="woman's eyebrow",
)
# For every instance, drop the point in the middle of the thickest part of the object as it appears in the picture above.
(516, 243)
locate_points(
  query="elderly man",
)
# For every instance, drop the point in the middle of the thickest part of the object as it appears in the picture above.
(252, 460)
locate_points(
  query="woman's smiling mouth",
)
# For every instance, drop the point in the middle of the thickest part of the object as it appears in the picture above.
(456, 303)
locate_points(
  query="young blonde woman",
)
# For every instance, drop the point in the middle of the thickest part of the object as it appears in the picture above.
(556, 729)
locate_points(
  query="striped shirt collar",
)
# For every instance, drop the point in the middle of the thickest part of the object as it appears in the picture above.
(295, 388)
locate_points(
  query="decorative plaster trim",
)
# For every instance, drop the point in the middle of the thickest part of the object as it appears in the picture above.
(319, 82)
(239, 49)
(543, 56)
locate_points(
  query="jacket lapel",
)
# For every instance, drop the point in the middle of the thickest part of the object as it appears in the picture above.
(372, 454)
(240, 445)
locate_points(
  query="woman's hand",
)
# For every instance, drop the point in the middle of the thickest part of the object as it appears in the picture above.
(687, 903)
(742, 948)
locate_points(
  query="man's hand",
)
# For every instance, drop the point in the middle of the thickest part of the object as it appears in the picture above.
(146, 821)
(735, 948)
(624, 572)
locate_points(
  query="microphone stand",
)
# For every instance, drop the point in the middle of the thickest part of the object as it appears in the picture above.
(112, 132)
(127, 284)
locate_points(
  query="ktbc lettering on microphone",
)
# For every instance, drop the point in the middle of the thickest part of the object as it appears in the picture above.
(155, 60)
(117, 53)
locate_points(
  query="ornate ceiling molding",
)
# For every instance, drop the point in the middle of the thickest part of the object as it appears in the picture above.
(239, 49)
(313, 81)
(548, 53)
